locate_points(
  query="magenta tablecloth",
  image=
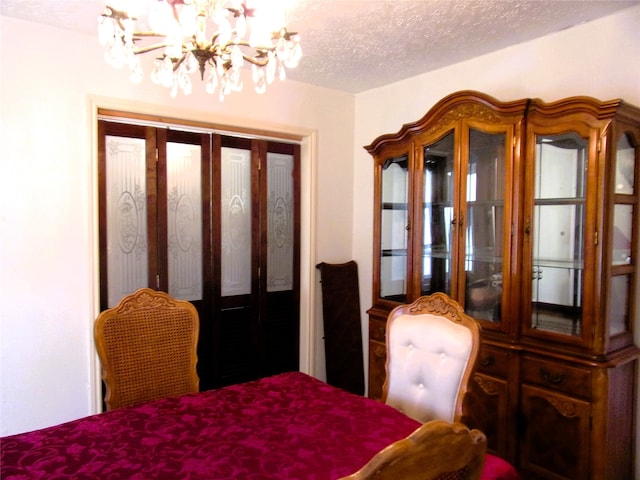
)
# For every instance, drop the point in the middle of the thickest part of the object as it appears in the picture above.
(289, 426)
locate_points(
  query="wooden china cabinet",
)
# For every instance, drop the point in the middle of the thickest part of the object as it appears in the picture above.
(526, 213)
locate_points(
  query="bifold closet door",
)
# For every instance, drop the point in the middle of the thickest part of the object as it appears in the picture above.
(154, 186)
(279, 324)
(214, 220)
(256, 266)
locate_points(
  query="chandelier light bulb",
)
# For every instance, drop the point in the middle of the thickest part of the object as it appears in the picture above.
(213, 39)
(137, 74)
(174, 89)
(201, 29)
(188, 17)
(236, 57)
(106, 31)
(160, 17)
(271, 68)
(212, 82)
(241, 26)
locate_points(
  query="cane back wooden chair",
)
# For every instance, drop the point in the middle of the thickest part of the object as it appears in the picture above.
(147, 347)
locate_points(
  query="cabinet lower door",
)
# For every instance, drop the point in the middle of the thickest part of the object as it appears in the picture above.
(555, 435)
(377, 373)
(486, 408)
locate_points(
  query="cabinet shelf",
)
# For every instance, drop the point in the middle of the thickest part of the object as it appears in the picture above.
(395, 206)
(485, 203)
(565, 320)
(394, 252)
(559, 201)
(485, 258)
(435, 251)
(563, 264)
(442, 204)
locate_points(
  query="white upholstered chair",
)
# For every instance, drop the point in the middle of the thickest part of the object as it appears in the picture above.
(432, 346)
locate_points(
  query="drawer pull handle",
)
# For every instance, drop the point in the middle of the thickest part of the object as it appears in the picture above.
(552, 379)
(487, 362)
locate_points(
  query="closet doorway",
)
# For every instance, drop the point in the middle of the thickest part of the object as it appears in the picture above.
(213, 219)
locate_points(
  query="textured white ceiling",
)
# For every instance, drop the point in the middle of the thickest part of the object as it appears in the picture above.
(356, 45)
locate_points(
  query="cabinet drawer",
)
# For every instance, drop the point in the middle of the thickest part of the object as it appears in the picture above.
(378, 330)
(563, 378)
(493, 361)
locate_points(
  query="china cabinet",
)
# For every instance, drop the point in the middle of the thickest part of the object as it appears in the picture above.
(525, 212)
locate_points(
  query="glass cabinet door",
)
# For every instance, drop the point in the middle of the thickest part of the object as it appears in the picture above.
(394, 227)
(624, 209)
(485, 219)
(558, 232)
(437, 214)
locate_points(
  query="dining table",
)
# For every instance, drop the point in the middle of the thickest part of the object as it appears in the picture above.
(286, 426)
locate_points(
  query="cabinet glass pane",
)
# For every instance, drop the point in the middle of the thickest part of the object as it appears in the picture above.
(484, 224)
(236, 221)
(280, 224)
(558, 233)
(438, 216)
(625, 166)
(393, 231)
(184, 221)
(622, 231)
(126, 204)
(619, 304)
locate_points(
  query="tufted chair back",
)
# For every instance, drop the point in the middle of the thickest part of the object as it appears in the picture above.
(432, 347)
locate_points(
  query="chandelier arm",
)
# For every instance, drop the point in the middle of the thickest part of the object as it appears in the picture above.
(119, 22)
(245, 43)
(255, 60)
(148, 34)
(150, 48)
(111, 12)
(178, 62)
(118, 16)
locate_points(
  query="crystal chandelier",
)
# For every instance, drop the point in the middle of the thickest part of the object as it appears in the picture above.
(213, 37)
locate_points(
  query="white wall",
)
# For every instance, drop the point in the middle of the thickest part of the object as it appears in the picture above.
(47, 243)
(599, 59)
(50, 84)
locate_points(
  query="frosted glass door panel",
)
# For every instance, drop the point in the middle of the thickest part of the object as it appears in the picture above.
(127, 262)
(184, 217)
(393, 229)
(236, 221)
(280, 205)
(558, 233)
